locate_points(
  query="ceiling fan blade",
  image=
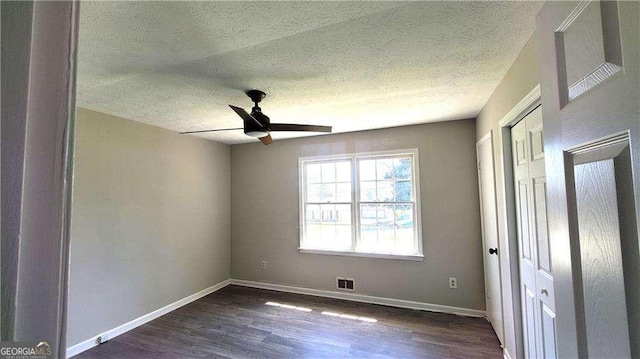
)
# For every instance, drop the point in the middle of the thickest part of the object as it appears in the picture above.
(245, 116)
(267, 140)
(294, 127)
(222, 129)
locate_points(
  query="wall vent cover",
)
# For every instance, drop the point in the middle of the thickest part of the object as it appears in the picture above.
(345, 284)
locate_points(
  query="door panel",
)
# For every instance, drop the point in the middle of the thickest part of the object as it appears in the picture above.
(590, 89)
(536, 142)
(590, 45)
(548, 331)
(529, 319)
(540, 206)
(493, 284)
(523, 220)
(521, 153)
(603, 291)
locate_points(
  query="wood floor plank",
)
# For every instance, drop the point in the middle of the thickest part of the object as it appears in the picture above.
(235, 322)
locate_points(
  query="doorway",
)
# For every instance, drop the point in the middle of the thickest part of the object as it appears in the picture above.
(509, 249)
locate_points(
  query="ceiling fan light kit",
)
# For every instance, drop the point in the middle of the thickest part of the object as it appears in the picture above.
(257, 134)
(258, 125)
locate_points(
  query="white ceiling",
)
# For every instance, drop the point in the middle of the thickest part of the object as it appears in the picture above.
(351, 65)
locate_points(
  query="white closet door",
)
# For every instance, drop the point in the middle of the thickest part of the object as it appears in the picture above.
(536, 280)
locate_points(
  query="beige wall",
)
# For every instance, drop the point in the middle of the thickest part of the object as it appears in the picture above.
(150, 221)
(264, 215)
(521, 78)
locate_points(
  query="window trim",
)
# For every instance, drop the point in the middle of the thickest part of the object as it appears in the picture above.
(355, 203)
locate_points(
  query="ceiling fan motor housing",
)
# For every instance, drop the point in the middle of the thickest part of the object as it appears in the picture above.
(251, 128)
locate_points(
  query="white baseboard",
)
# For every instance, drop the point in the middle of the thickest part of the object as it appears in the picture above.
(93, 341)
(363, 298)
(505, 353)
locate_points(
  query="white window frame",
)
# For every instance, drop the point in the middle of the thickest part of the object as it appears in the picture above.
(355, 203)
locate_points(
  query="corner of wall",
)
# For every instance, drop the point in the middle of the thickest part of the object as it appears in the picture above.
(517, 82)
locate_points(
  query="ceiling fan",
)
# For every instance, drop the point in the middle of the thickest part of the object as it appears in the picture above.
(257, 124)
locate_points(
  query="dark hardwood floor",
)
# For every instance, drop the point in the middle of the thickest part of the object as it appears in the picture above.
(235, 322)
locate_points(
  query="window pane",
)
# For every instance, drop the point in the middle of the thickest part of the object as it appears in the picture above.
(313, 213)
(328, 172)
(313, 173)
(368, 228)
(314, 193)
(343, 214)
(386, 239)
(402, 168)
(368, 216)
(385, 191)
(367, 170)
(329, 214)
(368, 191)
(385, 215)
(343, 192)
(385, 228)
(368, 239)
(384, 169)
(403, 191)
(343, 171)
(313, 236)
(328, 234)
(343, 237)
(405, 242)
(328, 192)
(404, 215)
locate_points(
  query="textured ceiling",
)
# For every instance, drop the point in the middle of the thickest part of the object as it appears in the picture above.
(351, 65)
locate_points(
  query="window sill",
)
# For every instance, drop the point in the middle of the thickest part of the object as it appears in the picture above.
(404, 257)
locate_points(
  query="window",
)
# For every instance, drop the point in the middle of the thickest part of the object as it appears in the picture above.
(364, 204)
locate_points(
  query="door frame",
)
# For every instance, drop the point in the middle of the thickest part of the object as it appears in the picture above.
(527, 104)
(40, 217)
(489, 138)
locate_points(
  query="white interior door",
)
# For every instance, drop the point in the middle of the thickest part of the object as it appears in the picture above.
(591, 101)
(492, 278)
(536, 281)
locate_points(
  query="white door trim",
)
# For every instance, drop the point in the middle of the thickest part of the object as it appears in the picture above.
(43, 84)
(508, 219)
(484, 139)
(528, 103)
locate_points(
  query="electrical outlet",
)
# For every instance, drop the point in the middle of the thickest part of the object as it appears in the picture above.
(264, 264)
(453, 283)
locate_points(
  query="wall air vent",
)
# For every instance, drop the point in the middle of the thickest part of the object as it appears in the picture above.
(345, 284)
